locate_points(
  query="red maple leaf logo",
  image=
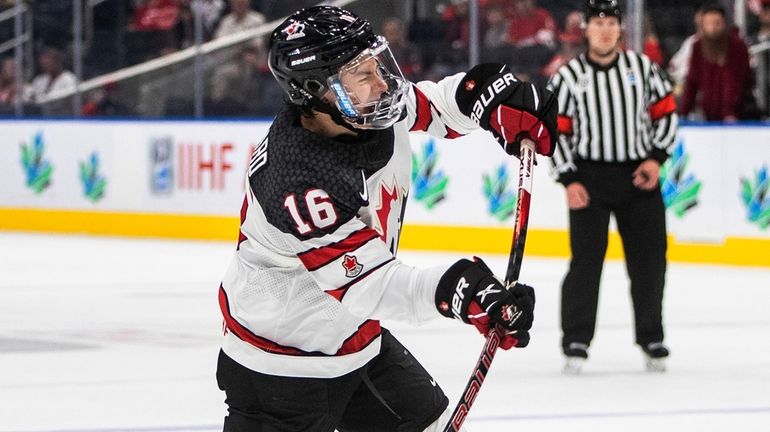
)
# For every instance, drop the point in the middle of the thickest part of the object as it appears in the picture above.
(351, 265)
(293, 28)
(295, 31)
(387, 198)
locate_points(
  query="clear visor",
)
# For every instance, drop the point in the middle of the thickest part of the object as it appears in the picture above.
(370, 90)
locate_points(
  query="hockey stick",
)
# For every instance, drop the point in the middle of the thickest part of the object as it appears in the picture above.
(511, 277)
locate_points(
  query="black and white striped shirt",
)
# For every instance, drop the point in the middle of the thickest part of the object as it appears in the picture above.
(620, 112)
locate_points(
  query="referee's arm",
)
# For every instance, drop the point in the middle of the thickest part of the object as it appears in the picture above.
(563, 156)
(663, 116)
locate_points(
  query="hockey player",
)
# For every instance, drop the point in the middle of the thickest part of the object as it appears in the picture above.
(315, 266)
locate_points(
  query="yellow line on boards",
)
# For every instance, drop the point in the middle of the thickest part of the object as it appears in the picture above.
(555, 243)
(121, 224)
(479, 240)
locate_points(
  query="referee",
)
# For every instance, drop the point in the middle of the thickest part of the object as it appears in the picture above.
(616, 121)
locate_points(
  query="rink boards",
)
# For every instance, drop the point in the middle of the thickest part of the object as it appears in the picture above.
(185, 179)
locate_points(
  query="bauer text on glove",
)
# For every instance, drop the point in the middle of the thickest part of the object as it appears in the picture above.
(511, 109)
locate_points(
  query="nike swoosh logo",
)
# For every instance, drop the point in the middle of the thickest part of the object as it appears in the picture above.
(365, 195)
(433, 382)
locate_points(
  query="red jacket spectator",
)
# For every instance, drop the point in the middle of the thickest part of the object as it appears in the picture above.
(720, 77)
(156, 15)
(531, 25)
(723, 87)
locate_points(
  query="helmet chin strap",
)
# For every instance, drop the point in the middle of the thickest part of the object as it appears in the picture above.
(334, 113)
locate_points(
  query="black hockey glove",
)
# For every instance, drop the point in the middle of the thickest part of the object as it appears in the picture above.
(511, 109)
(470, 292)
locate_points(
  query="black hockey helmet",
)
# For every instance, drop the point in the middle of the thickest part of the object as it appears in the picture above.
(315, 51)
(601, 8)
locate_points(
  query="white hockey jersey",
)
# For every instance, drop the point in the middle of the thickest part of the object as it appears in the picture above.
(315, 267)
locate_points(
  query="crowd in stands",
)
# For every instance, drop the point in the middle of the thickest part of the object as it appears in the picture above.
(709, 62)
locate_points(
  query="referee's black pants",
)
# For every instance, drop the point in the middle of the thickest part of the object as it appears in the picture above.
(640, 217)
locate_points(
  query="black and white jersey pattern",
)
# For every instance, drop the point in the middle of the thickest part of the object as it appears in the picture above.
(622, 112)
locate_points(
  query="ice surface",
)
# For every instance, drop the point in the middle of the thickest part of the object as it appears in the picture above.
(108, 334)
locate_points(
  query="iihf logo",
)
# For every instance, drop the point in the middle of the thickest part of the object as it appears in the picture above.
(631, 77)
(161, 165)
(351, 265)
(584, 83)
(295, 31)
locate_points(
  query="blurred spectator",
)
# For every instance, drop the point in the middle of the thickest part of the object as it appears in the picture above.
(651, 42)
(105, 102)
(679, 64)
(6, 80)
(572, 43)
(8, 83)
(762, 59)
(408, 56)
(53, 77)
(455, 18)
(453, 56)
(209, 10)
(152, 30)
(238, 88)
(533, 34)
(531, 25)
(573, 28)
(763, 33)
(240, 18)
(494, 37)
(755, 6)
(497, 27)
(719, 81)
(185, 26)
(152, 15)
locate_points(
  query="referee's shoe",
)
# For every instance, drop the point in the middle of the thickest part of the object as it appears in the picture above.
(576, 354)
(656, 354)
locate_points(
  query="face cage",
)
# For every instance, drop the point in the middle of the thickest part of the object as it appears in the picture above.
(386, 110)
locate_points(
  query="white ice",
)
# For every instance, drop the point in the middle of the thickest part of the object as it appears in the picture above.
(107, 335)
